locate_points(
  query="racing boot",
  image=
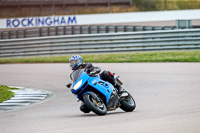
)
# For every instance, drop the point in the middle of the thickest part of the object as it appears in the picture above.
(115, 83)
(119, 88)
(84, 108)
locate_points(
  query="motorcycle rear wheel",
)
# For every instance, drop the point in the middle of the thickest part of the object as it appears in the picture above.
(128, 104)
(98, 108)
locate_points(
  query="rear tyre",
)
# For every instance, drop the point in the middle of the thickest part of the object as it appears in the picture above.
(98, 108)
(128, 104)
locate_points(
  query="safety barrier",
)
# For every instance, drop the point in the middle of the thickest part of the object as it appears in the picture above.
(71, 30)
(185, 39)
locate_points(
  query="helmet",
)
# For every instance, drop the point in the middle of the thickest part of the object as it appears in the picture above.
(75, 61)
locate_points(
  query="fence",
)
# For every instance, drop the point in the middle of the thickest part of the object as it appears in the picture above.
(70, 30)
(63, 3)
(187, 39)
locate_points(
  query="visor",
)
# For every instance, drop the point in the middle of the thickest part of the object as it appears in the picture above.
(73, 64)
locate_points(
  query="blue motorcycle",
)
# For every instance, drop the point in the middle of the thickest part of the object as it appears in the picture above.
(98, 95)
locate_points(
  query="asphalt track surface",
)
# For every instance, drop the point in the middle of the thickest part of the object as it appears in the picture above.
(167, 97)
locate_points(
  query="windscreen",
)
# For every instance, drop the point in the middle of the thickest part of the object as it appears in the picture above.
(76, 74)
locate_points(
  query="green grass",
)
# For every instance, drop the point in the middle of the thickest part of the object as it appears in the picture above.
(5, 94)
(181, 56)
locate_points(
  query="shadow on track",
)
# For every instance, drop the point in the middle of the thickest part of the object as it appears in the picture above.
(91, 114)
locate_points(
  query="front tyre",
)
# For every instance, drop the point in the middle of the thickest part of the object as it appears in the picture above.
(128, 104)
(97, 106)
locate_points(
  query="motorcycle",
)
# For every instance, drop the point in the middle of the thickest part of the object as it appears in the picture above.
(98, 95)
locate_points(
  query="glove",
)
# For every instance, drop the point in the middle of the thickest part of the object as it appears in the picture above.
(89, 67)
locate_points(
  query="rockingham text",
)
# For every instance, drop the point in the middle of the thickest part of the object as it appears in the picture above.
(40, 21)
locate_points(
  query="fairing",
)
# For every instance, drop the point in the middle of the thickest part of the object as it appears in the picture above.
(96, 83)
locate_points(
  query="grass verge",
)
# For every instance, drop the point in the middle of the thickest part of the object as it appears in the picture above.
(5, 94)
(174, 56)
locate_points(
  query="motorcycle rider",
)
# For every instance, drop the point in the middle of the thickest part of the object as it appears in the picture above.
(76, 62)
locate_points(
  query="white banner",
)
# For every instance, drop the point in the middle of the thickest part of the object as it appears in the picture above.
(99, 18)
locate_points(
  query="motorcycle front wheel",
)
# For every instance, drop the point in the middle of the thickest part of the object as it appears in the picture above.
(98, 107)
(128, 104)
